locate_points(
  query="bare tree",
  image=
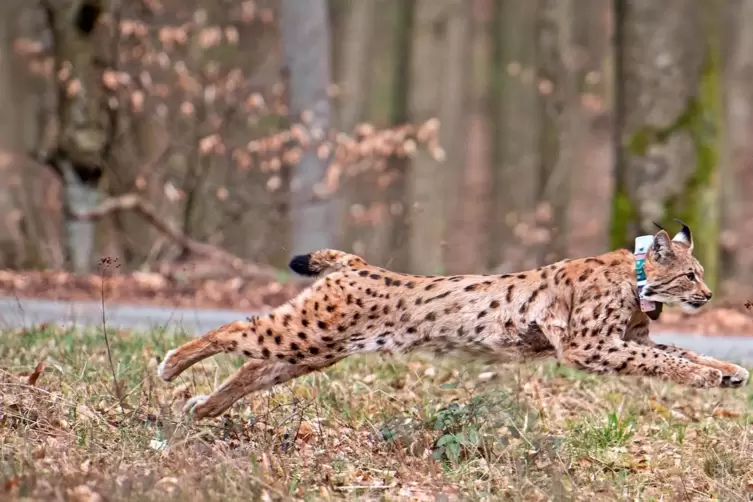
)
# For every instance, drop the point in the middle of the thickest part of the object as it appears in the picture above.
(426, 183)
(561, 124)
(737, 176)
(83, 121)
(515, 118)
(306, 46)
(668, 115)
(466, 237)
(454, 117)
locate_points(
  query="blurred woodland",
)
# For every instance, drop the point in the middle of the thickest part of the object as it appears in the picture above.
(430, 136)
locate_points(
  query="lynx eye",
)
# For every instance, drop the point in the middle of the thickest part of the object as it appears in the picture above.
(690, 276)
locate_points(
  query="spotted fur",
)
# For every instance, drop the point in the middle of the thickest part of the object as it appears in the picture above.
(584, 312)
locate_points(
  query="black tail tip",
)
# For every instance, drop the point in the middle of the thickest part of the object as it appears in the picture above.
(301, 264)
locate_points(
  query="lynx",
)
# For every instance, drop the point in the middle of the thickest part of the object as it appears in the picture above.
(583, 312)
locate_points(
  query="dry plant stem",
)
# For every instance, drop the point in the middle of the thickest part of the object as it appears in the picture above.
(118, 393)
(133, 202)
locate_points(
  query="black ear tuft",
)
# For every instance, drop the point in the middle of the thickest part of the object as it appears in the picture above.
(301, 264)
(657, 225)
(684, 235)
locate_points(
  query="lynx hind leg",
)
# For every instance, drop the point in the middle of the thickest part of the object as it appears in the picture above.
(223, 339)
(251, 377)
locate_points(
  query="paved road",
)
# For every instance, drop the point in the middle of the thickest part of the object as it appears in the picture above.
(17, 313)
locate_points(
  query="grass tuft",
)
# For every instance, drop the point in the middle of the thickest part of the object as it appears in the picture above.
(366, 429)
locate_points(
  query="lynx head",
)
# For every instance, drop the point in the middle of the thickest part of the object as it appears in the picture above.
(673, 275)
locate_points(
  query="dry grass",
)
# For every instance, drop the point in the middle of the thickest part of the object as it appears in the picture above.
(406, 429)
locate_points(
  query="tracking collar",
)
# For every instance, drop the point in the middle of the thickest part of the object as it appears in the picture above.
(642, 244)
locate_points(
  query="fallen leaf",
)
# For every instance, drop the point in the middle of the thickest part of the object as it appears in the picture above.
(722, 413)
(35, 374)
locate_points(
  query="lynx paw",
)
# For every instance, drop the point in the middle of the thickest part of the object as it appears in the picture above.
(161, 369)
(190, 408)
(738, 378)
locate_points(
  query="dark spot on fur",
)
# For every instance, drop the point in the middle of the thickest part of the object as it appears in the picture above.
(265, 353)
(419, 300)
(363, 273)
(479, 329)
(471, 287)
(521, 276)
(431, 316)
(411, 329)
(375, 276)
(304, 323)
(247, 353)
(481, 314)
(313, 351)
(508, 296)
(322, 325)
(494, 304)
(278, 339)
(410, 285)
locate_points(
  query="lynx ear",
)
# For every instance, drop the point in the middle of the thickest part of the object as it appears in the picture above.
(661, 248)
(684, 236)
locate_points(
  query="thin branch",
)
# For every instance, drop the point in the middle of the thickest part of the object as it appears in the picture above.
(133, 202)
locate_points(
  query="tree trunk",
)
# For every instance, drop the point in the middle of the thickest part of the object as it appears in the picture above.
(560, 126)
(455, 132)
(355, 70)
(466, 237)
(83, 119)
(12, 245)
(669, 120)
(593, 169)
(397, 192)
(426, 182)
(515, 115)
(306, 46)
(737, 179)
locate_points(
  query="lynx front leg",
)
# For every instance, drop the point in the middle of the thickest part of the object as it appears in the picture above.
(252, 376)
(632, 358)
(601, 348)
(732, 374)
